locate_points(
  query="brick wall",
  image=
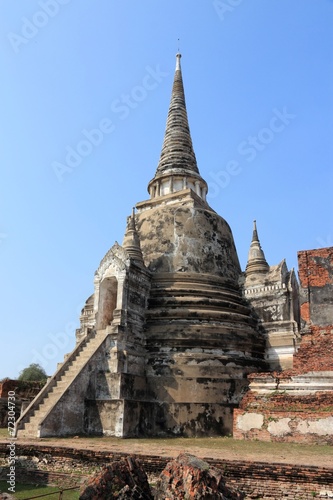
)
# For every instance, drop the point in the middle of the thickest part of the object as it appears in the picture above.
(257, 480)
(316, 303)
(316, 350)
(315, 271)
(315, 268)
(23, 389)
(287, 407)
(283, 402)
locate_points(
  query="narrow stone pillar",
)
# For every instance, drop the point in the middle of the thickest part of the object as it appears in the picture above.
(96, 295)
(120, 292)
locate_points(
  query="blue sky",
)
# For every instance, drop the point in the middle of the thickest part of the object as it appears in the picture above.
(95, 77)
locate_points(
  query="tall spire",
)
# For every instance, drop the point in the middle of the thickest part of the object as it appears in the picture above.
(177, 168)
(256, 262)
(177, 150)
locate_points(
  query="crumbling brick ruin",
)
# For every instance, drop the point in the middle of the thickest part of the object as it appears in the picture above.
(174, 326)
(25, 392)
(316, 304)
(297, 404)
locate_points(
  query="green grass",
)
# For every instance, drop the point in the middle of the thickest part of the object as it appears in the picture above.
(212, 443)
(4, 432)
(25, 491)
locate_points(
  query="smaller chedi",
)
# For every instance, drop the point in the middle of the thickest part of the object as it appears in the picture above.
(273, 294)
(174, 326)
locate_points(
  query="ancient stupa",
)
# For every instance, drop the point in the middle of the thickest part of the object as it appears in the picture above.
(173, 326)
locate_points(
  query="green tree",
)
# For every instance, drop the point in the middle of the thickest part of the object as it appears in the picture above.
(33, 372)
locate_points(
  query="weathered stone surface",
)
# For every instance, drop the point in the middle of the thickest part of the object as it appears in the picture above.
(189, 477)
(201, 336)
(250, 421)
(194, 238)
(121, 479)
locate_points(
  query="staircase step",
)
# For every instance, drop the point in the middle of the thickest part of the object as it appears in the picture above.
(71, 369)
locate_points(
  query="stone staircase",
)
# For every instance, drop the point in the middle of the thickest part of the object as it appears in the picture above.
(28, 425)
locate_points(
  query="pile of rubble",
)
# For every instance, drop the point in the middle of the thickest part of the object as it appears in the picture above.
(121, 479)
(185, 477)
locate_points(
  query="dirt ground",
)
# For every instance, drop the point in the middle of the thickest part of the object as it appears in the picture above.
(220, 448)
